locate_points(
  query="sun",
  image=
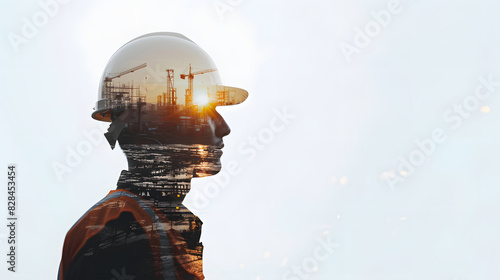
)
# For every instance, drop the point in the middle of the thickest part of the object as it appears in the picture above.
(201, 100)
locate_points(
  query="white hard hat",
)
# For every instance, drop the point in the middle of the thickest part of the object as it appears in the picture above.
(162, 70)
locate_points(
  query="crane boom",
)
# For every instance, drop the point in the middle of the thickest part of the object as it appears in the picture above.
(189, 90)
(190, 75)
(204, 71)
(126, 72)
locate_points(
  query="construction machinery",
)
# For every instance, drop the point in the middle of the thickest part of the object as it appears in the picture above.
(170, 97)
(121, 95)
(189, 90)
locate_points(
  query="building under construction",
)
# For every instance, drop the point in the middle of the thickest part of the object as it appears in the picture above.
(125, 95)
(180, 122)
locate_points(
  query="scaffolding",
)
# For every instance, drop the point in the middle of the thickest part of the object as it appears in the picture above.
(122, 95)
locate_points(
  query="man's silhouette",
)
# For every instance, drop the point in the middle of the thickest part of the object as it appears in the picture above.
(142, 230)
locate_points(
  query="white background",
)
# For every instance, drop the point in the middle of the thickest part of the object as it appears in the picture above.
(323, 176)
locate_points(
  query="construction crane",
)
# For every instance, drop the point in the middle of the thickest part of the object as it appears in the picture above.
(170, 96)
(107, 79)
(171, 90)
(189, 90)
(121, 96)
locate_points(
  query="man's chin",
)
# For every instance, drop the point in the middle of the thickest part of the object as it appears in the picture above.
(206, 170)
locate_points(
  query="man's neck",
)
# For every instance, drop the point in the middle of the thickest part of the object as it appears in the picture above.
(166, 195)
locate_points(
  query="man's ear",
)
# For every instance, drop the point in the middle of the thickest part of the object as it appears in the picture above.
(116, 127)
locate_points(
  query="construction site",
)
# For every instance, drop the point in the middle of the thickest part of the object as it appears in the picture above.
(126, 94)
(178, 122)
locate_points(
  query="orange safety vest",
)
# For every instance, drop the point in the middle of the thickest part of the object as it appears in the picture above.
(161, 256)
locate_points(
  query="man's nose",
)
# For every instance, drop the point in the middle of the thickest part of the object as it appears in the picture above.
(222, 128)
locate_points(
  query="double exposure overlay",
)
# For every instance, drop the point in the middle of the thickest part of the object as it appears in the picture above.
(160, 92)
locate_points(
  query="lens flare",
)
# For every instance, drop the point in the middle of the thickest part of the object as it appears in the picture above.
(201, 100)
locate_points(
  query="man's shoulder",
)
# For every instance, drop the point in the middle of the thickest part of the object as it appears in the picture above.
(105, 238)
(108, 208)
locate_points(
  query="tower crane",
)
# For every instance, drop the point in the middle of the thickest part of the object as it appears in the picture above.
(118, 95)
(171, 90)
(107, 79)
(189, 90)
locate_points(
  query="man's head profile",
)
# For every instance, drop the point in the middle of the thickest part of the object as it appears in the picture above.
(160, 93)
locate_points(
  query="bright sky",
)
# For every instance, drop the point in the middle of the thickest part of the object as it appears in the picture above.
(385, 144)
